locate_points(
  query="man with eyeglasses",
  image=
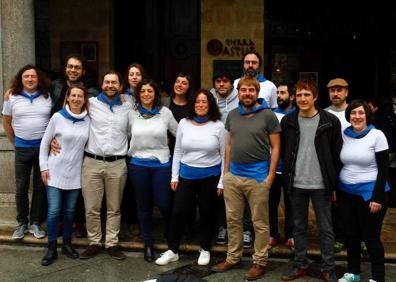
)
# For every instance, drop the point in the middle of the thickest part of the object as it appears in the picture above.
(74, 72)
(251, 63)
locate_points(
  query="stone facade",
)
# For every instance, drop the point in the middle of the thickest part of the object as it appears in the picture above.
(236, 25)
(17, 45)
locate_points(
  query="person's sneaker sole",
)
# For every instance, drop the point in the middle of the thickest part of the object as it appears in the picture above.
(37, 236)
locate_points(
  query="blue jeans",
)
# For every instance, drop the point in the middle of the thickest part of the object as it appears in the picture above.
(27, 159)
(320, 198)
(58, 198)
(152, 187)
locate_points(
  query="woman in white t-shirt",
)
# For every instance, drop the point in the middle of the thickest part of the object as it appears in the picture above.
(363, 199)
(197, 171)
(61, 173)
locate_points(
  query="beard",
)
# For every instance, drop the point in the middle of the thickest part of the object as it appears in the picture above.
(248, 105)
(251, 72)
(283, 104)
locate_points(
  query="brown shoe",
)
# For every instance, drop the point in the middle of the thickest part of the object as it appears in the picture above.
(255, 272)
(115, 253)
(91, 251)
(225, 266)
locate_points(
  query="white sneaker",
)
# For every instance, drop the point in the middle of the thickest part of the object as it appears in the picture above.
(371, 280)
(36, 231)
(204, 257)
(349, 277)
(167, 257)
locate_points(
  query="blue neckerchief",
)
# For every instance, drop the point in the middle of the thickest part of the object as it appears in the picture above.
(30, 97)
(349, 132)
(66, 115)
(261, 77)
(201, 119)
(254, 109)
(115, 102)
(144, 112)
(279, 110)
(130, 92)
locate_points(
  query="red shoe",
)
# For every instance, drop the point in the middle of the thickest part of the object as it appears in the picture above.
(290, 244)
(272, 242)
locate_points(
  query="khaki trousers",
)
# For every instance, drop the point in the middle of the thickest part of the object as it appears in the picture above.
(103, 178)
(236, 189)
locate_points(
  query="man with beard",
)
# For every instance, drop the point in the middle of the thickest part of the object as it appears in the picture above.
(251, 64)
(338, 92)
(251, 156)
(74, 72)
(104, 169)
(285, 106)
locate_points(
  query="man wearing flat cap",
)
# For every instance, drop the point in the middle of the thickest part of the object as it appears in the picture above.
(338, 92)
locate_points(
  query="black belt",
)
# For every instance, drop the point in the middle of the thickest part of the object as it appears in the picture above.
(104, 158)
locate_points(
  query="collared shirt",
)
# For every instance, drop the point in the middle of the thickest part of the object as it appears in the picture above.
(108, 133)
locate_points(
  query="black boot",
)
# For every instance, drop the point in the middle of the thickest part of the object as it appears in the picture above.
(51, 254)
(148, 253)
(68, 250)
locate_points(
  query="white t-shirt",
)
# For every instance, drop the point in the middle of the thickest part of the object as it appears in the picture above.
(149, 138)
(358, 157)
(267, 91)
(29, 120)
(199, 146)
(341, 116)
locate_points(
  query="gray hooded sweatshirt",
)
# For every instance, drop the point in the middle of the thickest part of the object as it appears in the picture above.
(226, 105)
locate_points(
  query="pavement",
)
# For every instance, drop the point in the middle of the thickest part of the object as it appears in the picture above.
(20, 260)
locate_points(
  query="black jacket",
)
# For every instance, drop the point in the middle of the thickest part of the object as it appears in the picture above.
(328, 144)
(58, 90)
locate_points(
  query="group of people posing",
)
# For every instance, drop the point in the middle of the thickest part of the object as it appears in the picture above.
(229, 151)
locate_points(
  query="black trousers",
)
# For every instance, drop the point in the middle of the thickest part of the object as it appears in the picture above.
(362, 225)
(273, 204)
(205, 192)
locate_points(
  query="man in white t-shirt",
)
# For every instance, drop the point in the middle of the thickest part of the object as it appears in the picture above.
(338, 93)
(252, 63)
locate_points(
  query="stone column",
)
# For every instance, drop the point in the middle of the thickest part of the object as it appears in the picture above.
(17, 48)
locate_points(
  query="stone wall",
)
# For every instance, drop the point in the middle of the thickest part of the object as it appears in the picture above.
(83, 21)
(232, 27)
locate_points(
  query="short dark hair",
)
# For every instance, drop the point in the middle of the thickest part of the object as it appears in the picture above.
(190, 84)
(220, 74)
(289, 85)
(16, 86)
(80, 86)
(309, 85)
(213, 111)
(356, 104)
(76, 56)
(157, 91)
(115, 73)
(253, 53)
